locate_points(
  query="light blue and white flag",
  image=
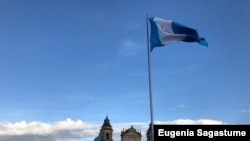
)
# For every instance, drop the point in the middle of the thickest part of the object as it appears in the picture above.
(164, 32)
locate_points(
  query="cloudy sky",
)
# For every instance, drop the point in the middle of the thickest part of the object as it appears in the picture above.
(66, 64)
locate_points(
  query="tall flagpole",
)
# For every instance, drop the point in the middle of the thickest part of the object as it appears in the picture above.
(149, 83)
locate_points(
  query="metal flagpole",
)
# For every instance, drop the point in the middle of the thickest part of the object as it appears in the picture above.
(149, 82)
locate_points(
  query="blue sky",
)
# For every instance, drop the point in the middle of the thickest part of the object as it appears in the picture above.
(85, 59)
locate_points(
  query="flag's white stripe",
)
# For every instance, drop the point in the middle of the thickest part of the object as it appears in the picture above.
(165, 31)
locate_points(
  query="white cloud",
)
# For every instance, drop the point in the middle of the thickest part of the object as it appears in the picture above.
(189, 121)
(39, 131)
(245, 111)
(128, 47)
(69, 130)
(181, 106)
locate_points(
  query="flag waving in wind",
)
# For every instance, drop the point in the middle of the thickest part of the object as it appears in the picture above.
(164, 32)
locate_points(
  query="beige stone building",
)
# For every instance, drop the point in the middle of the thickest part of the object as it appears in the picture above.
(131, 134)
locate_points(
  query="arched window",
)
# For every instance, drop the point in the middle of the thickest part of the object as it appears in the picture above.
(107, 136)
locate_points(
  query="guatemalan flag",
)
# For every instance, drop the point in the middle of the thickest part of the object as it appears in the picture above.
(164, 32)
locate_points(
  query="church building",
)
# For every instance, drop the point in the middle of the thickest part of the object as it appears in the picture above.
(131, 134)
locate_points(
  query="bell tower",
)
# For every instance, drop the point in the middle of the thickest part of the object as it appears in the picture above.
(106, 131)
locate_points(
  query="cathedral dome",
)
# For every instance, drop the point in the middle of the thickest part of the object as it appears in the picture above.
(97, 138)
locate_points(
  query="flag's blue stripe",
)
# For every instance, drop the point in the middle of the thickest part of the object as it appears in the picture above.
(154, 36)
(203, 42)
(192, 34)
